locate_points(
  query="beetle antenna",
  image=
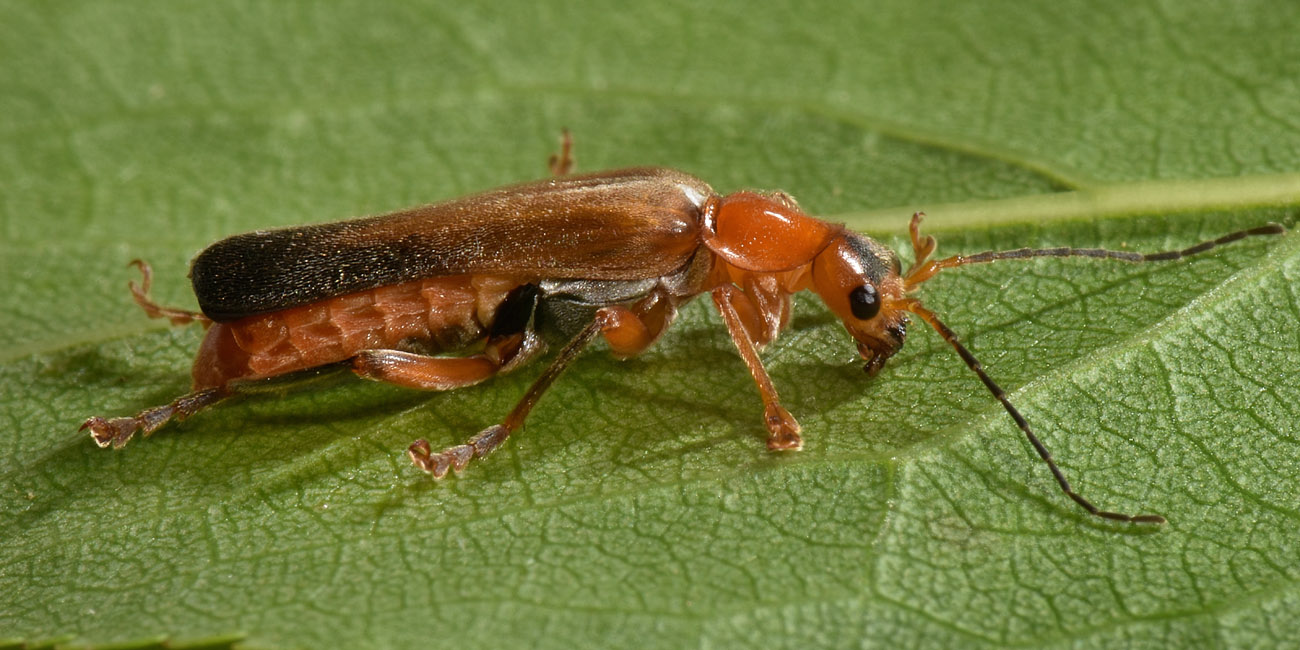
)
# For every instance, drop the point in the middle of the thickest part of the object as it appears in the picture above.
(923, 270)
(913, 305)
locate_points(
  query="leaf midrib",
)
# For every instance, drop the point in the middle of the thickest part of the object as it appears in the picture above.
(1107, 201)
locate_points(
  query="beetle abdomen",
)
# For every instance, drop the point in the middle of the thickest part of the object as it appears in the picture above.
(434, 314)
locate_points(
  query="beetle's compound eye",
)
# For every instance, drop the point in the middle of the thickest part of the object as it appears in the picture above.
(864, 302)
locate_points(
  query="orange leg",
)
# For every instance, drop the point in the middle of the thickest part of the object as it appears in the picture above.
(392, 366)
(630, 330)
(783, 429)
(424, 372)
(153, 309)
(763, 307)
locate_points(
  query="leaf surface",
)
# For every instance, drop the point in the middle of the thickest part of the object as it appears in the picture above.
(639, 507)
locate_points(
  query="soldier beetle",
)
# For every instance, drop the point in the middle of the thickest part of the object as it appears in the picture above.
(571, 258)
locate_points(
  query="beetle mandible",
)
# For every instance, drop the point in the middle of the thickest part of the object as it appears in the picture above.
(571, 258)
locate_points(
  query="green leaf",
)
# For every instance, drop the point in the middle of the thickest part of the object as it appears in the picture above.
(639, 508)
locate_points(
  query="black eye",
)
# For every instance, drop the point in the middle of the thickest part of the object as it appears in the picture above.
(864, 302)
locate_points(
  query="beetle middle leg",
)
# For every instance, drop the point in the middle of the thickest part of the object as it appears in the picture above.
(487, 440)
(628, 331)
(783, 429)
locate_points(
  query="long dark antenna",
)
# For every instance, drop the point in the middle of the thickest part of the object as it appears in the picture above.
(914, 306)
(923, 270)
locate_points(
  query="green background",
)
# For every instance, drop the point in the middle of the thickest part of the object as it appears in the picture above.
(639, 508)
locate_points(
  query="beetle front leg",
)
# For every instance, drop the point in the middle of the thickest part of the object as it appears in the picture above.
(783, 429)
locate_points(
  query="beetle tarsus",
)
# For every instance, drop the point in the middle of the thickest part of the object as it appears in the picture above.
(153, 309)
(562, 163)
(783, 428)
(488, 440)
(116, 432)
(456, 458)
(421, 454)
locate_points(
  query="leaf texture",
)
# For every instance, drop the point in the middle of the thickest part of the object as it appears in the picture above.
(639, 507)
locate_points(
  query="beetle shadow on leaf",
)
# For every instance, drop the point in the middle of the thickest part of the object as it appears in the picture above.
(92, 371)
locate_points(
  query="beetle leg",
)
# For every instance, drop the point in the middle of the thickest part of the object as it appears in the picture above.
(153, 309)
(561, 163)
(921, 248)
(783, 429)
(630, 330)
(482, 444)
(421, 371)
(763, 307)
(424, 372)
(118, 431)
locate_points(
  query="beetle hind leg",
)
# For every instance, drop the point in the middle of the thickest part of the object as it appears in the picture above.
(448, 373)
(153, 309)
(116, 432)
(424, 372)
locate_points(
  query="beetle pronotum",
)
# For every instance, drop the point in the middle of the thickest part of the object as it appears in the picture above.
(610, 254)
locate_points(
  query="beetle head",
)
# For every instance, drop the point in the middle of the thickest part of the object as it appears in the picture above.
(859, 280)
(856, 277)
